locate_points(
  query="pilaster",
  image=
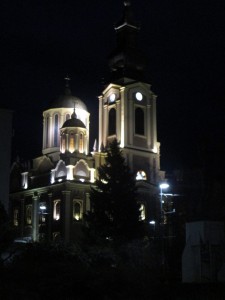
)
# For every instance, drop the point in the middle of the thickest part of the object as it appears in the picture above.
(35, 218)
(66, 215)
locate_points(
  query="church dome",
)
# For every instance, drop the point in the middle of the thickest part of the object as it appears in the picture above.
(73, 123)
(68, 101)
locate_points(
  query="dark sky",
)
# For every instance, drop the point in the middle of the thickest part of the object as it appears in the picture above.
(184, 42)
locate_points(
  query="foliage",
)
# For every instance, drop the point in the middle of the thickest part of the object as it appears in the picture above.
(45, 271)
(115, 213)
(6, 230)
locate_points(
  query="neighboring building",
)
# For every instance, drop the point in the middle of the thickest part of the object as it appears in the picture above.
(51, 198)
(203, 256)
(5, 154)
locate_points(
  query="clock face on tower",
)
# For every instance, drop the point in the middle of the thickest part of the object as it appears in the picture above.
(112, 97)
(139, 96)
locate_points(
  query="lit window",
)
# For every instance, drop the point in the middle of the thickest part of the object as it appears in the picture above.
(56, 210)
(42, 210)
(16, 217)
(142, 212)
(29, 214)
(141, 175)
(77, 210)
(71, 147)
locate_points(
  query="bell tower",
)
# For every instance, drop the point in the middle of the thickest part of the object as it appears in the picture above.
(127, 105)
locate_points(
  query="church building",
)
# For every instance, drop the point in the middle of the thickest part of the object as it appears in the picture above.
(49, 199)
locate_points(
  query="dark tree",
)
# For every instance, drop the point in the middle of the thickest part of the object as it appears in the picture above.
(6, 234)
(115, 209)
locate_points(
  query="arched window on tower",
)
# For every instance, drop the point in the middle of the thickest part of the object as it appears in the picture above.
(139, 121)
(112, 121)
(81, 142)
(67, 117)
(56, 130)
(72, 143)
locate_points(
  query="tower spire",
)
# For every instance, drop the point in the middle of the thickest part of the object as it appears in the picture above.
(74, 115)
(126, 61)
(67, 86)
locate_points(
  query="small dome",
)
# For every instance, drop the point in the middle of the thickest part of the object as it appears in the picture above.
(74, 122)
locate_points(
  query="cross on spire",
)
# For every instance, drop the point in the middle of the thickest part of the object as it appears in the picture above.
(67, 79)
(67, 87)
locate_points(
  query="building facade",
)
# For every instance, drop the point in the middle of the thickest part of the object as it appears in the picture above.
(50, 199)
(6, 117)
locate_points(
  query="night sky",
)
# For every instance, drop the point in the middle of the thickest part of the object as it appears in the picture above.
(184, 42)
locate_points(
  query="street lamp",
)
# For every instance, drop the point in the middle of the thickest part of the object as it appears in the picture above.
(162, 186)
(152, 222)
(42, 219)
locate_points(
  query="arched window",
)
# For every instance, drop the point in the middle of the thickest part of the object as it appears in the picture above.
(72, 144)
(56, 130)
(112, 121)
(142, 212)
(77, 210)
(139, 121)
(81, 143)
(56, 210)
(16, 217)
(29, 214)
(63, 143)
(67, 117)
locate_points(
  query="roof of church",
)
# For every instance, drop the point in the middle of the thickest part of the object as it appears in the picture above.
(73, 122)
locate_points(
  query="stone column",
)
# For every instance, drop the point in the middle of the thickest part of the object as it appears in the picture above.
(50, 216)
(35, 218)
(150, 143)
(67, 143)
(123, 117)
(22, 216)
(100, 116)
(66, 215)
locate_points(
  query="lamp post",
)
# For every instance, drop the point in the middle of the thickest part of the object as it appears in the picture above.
(162, 186)
(152, 222)
(42, 220)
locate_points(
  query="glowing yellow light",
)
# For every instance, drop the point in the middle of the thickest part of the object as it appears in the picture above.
(77, 217)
